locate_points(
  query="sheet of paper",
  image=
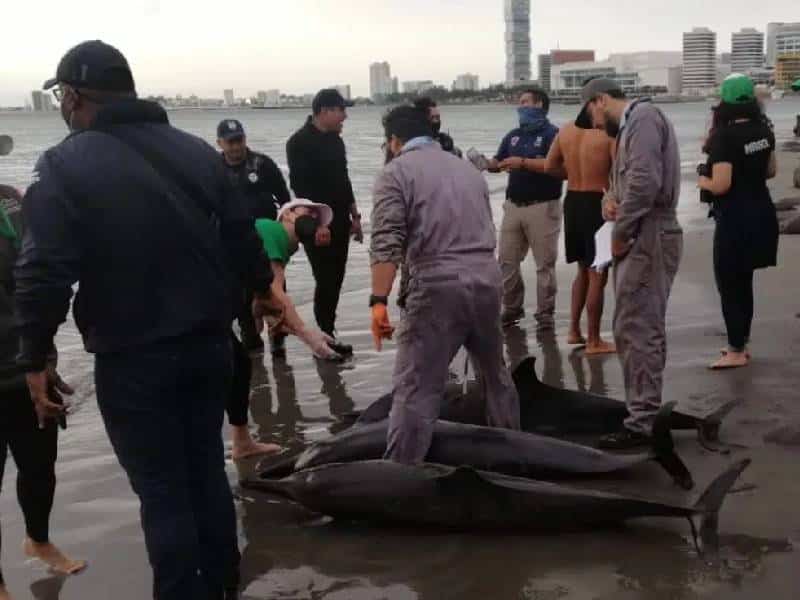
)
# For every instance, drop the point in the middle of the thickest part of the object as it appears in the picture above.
(477, 159)
(602, 244)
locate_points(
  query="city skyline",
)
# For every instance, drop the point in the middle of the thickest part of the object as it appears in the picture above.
(305, 46)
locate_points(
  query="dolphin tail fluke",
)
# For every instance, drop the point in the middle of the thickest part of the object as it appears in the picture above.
(710, 502)
(664, 448)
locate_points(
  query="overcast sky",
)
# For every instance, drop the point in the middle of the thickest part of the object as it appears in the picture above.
(200, 46)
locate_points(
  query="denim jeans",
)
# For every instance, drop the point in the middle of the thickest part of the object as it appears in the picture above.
(163, 408)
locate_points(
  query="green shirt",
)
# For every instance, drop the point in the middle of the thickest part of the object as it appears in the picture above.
(275, 239)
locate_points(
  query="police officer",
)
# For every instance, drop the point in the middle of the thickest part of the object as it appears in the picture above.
(264, 187)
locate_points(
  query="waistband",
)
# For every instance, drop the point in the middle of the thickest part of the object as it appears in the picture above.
(451, 262)
(583, 195)
(523, 203)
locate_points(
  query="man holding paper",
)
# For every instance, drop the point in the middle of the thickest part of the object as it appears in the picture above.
(647, 244)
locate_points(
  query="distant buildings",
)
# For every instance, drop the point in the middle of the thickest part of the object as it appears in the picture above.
(269, 98)
(228, 96)
(417, 87)
(381, 82)
(633, 71)
(699, 61)
(467, 83)
(41, 101)
(545, 64)
(747, 50)
(787, 70)
(557, 58)
(782, 39)
(518, 41)
(344, 90)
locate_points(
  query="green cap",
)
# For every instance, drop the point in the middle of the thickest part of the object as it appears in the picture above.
(738, 89)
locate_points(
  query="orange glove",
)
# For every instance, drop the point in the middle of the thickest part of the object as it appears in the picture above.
(381, 328)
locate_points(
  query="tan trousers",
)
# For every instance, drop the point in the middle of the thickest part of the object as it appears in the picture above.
(536, 227)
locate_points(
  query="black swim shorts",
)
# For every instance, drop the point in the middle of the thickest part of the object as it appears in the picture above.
(583, 216)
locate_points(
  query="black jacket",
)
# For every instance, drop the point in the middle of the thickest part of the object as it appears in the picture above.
(262, 183)
(100, 215)
(318, 170)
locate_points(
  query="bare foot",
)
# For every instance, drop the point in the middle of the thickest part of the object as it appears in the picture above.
(52, 557)
(575, 338)
(4, 595)
(731, 360)
(253, 448)
(726, 349)
(600, 347)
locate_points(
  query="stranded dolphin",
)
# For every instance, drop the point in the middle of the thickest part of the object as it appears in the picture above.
(464, 498)
(547, 410)
(493, 449)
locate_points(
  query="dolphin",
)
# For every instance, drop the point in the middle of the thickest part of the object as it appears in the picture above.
(548, 410)
(493, 449)
(463, 498)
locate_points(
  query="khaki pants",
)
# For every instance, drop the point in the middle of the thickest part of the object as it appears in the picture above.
(536, 227)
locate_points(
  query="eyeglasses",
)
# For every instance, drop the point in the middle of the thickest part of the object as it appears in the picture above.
(58, 92)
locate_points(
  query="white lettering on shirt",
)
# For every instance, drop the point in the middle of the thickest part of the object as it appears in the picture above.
(758, 146)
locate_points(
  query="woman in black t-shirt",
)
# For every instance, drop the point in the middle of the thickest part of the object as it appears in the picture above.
(742, 159)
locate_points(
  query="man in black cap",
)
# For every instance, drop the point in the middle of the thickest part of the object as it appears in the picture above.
(318, 172)
(144, 218)
(647, 243)
(264, 187)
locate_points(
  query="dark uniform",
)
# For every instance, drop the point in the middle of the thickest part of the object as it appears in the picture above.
(264, 187)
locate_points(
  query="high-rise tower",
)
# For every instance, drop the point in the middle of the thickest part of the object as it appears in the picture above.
(518, 40)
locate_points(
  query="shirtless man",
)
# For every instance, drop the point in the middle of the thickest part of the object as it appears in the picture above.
(585, 156)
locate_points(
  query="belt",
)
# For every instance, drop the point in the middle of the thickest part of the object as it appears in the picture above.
(532, 202)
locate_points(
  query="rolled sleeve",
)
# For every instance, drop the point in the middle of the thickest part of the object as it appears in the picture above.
(643, 175)
(389, 229)
(48, 265)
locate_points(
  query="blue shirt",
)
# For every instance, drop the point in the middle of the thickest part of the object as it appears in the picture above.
(526, 187)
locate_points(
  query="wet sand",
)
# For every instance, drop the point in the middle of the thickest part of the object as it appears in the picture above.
(288, 553)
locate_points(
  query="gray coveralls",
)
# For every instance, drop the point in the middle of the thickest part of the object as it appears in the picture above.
(432, 212)
(646, 183)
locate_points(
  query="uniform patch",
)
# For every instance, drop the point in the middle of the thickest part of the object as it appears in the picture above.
(515, 140)
(253, 177)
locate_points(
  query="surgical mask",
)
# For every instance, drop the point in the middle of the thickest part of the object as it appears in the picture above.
(531, 116)
(436, 126)
(306, 229)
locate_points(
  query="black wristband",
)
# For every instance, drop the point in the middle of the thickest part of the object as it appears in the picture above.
(373, 300)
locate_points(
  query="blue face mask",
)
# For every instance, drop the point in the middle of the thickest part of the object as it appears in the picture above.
(531, 117)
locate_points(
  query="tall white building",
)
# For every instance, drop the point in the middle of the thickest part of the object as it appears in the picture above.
(37, 99)
(782, 39)
(518, 40)
(380, 80)
(417, 87)
(228, 95)
(344, 90)
(699, 61)
(466, 83)
(747, 50)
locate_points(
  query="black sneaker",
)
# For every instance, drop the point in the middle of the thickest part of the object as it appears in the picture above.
(625, 439)
(277, 346)
(340, 348)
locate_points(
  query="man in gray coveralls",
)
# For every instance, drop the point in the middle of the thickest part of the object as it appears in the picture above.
(647, 244)
(431, 212)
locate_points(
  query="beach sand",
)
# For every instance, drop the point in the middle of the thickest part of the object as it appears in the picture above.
(290, 554)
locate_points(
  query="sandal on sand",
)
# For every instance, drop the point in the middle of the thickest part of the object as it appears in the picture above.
(730, 361)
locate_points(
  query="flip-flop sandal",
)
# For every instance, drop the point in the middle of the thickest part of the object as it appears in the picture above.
(724, 352)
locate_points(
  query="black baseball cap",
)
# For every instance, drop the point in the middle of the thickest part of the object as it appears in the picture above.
(591, 90)
(329, 98)
(94, 65)
(229, 129)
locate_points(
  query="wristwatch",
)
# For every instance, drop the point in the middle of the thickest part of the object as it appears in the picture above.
(373, 300)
